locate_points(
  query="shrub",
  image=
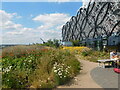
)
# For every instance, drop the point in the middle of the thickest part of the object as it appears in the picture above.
(36, 68)
(75, 42)
(86, 53)
(94, 55)
(61, 72)
(52, 43)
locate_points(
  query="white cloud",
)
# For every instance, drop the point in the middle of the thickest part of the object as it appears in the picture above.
(7, 23)
(22, 31)
(51, 24)
(86, 2)
(54, 18)
(10, 30)
(17, 33)
(5, 17)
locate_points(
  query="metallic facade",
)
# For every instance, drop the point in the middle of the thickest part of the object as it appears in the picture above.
(98, 19)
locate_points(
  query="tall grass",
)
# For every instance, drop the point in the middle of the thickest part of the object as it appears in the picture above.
(19, 51)
(37, 67)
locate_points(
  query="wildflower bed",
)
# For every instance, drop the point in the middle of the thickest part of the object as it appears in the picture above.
(37, 67)
(76, 50)
(86, 53)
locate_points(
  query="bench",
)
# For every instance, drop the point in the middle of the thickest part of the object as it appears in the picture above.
(105, 61)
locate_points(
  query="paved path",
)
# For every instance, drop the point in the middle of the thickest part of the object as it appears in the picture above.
(83, 80)
(105, 77)
(92, 76)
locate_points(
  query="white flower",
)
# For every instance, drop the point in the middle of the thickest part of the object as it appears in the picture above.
(68, 67)
(48, 78)
(58, 69)
(10, 67)
(66, 70)
(7, 69)
(55, 64)
(30, 60)
(55, 71)
(54, 67)
(59, 74)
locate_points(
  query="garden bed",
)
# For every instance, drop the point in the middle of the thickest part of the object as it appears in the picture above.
(37, 67)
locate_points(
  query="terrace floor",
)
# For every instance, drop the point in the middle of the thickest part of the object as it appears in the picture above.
(105, 77)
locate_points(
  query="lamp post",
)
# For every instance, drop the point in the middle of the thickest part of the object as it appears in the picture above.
(105, 42)
(99, 43)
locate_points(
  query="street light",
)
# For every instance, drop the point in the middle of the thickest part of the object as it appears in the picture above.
(104, 41)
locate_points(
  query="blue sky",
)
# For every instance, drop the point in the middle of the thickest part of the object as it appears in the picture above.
(26, 22)
(26, 9)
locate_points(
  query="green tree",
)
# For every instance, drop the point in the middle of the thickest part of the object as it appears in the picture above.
(56, 43)
(52, 43)
(75, 42)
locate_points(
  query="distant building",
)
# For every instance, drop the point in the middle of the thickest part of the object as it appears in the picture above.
(67, 43)
(114, 40)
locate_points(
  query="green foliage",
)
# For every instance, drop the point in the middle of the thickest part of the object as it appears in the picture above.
(92, 55)
(75, 42)
(52, 43)
(86, 53)
(36, 68)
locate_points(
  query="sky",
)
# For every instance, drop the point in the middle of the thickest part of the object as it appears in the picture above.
(27, 22)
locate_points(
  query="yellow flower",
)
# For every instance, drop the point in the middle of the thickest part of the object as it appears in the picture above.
(76, 49)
